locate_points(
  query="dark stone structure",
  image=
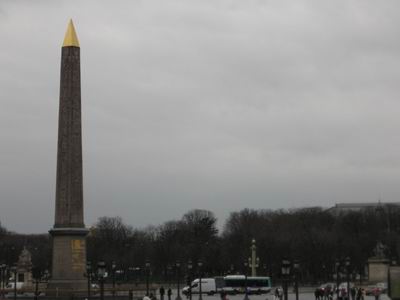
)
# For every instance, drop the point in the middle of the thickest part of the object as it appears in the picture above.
(69, 232)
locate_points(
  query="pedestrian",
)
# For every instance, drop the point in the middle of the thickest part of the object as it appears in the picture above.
(162, 293)
(146, 297)
(169, 293)
(223, 295)
(342, 293)
(276, 294)
(316, 294)
(353, 293)
(359, 294)
(280, 292)
(377, 293)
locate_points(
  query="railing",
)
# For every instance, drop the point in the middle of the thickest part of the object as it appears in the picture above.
(61, 294)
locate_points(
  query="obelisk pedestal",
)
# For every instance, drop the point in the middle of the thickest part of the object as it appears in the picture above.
(69, 232)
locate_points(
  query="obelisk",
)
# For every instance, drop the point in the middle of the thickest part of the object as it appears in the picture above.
(69, 232)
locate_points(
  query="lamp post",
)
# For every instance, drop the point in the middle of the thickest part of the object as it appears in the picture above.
(200, 264)
(190, 267)
(147, 267)
(129, 274)
(347, 264)
(178, 273)
(136, 275)
(3, 277)
(101, 271)
(36, 276)
(393, 261)
(264, 269)
(88, 276)
(232, 269)
(14, 271)
(246, 265)
(285, 275)
(254, 261)
(337, 267)
(113, 268)
(296, 269)
(168, 274)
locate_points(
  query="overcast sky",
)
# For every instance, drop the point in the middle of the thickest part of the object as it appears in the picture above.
(209, 104)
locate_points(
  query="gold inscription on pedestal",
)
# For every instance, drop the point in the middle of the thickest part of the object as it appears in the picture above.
(78, 255)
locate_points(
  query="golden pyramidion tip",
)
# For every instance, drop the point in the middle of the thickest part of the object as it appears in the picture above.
(70, 38)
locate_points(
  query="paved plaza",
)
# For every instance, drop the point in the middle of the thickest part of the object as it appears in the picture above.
(291, 296)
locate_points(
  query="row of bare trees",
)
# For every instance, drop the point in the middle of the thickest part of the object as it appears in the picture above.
(314, 236)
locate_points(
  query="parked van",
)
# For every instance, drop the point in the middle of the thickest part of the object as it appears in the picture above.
(10, 288)
(208, 286)
(10, 285)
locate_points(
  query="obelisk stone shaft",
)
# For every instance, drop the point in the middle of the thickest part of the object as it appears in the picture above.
(69, 186)
(69, 232)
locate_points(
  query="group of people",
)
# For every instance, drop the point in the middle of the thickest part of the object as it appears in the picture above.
(324, 294)
(278, 294)
(151, 296)
(320, 294)
(355, 294)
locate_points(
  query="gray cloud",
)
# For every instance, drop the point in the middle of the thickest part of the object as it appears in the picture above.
(218, 105)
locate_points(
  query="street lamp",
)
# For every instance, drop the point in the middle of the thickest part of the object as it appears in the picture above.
(200, 264)
(88, 276)
(3, 269)
(178, 273)
(190, 267)
(264, 269)
(113, 268)
(347, 264)
(36, 276)
(246, 265)
(296, 269)
(168, 274)
(394, 261)
(285, 274)
(136, 275)
(147, 267)
(337, 268)
(14, 271)
(101, 272)
(254, 261)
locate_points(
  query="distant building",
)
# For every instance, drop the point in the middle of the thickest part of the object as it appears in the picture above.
(359, 206)
(24, 268)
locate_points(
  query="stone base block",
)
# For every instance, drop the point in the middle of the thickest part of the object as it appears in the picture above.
(378, 270)
(69, 262)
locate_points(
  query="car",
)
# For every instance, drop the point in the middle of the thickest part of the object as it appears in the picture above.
(327, 286)
(383, 286)
(369, 289)
(325, 289)
(379, 288)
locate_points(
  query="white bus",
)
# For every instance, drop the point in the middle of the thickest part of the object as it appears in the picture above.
(231, 284)
(234, 284)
